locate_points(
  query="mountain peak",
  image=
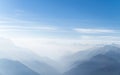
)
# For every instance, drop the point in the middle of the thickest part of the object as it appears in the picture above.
(107, 48)
(103, 60)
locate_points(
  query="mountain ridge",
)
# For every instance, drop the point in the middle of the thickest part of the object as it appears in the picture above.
(13, 67)
(96, 60)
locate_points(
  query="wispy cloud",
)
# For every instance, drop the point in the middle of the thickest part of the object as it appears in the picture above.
(83, 30)
(10, 24)
(27, 28)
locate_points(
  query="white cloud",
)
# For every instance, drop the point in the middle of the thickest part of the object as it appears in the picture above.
(10, 24)
(83, 30)
(57, 47)
(100, 39)
(27, 28)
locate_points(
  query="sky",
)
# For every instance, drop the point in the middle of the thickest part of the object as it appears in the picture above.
(57, 27)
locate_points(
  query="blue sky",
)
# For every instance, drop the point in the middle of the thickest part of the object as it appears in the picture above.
(66, 13)
(65, 24)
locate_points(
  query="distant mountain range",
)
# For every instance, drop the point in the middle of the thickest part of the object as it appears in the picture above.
(26, 59)
(14, 60)
(100, 61)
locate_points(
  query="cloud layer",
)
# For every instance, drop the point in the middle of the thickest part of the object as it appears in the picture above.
(83, 30)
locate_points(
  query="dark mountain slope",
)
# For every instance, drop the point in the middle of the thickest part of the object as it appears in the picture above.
(10, 67)
(101, 61)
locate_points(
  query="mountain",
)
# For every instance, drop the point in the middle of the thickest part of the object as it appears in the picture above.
(87, 54)
(8, 50)
(43, 68)
(10, 67)
(99, 61)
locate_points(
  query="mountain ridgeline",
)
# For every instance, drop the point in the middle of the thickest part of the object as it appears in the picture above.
(15, 60)
(10, 67)
(100, 61)
(104, 60)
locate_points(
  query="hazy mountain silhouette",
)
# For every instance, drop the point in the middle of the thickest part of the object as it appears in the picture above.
(10, 67)
(104, 60)
(9, 50)
(100, 61)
